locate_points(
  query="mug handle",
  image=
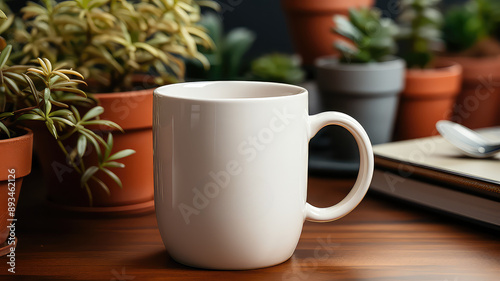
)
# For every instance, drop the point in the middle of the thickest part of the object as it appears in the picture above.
(318, 121)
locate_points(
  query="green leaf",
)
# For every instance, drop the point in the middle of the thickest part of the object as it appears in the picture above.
(46, 95)
(75, 112)
(110, 59)
(15, 76)
(61, 113)
(52, 129)
(32, 87)
(113, 176)
(39, 112)
(102, 185)
(88, 174)
(94, 112)
(2, 15)
(106, 123)
(4, 129)
(92, 140)
(5, 25)
(63, 120)
(30, 116)
(238, 41)
(12, 85)
(113, 164)
(121, 154)
(345, 28)
(152, 50)
(71, 90)
(109, 146)
(81, 145)
(48, 108)
(4, 55)
(6, 114)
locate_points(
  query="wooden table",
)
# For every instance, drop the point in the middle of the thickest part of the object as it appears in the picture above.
(380, 240)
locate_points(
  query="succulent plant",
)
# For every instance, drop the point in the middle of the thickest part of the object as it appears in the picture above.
(420, 22)
(372, 37)
(225, 60)
(466, 25)
(109, 41)
(48, 94)
(277, 68)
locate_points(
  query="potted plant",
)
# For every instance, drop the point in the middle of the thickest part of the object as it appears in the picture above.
(46, 95)
(277, 67)
(469, 35)
(124, 49)
(365, 81)
(430, 89)
(309, 24)
(16, 146)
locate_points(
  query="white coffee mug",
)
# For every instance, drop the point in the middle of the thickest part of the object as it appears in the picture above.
(230, 170)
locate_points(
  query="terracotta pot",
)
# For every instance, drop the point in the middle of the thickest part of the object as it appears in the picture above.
(133, 112)
(310, 24)
(15, 164)
(477, 104)
(428, 97)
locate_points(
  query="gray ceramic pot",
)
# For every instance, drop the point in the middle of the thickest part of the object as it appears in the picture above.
(368, 92)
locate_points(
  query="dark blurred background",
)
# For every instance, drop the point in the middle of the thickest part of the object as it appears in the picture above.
(266, 19)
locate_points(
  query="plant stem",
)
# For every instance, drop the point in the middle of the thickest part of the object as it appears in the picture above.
(66, 154)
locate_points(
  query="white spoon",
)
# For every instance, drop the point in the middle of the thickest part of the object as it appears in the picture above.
(470, 142)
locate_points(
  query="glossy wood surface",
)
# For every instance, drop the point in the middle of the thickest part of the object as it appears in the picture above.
(380, 240)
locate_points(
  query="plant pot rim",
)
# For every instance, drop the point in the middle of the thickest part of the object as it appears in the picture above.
(323, 6)
(441, 82)
(454, 56)
(123, 94)
(362, 79)
(473, 67)
(441, 70)
(26, 135)
(332, 62)
(21, 146)
(131, 110)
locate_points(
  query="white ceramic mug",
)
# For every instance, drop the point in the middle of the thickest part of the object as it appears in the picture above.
(230, 170)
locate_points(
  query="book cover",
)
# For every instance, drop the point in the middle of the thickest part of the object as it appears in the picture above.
(432, 172)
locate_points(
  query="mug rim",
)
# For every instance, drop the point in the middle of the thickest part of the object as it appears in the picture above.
(160, 91)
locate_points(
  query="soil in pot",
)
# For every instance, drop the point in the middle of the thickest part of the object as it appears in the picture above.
(428, 97)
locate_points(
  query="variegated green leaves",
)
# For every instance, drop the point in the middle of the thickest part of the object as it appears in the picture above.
(110, 40)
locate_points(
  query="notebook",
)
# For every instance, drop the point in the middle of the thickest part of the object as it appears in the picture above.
(433, 173)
